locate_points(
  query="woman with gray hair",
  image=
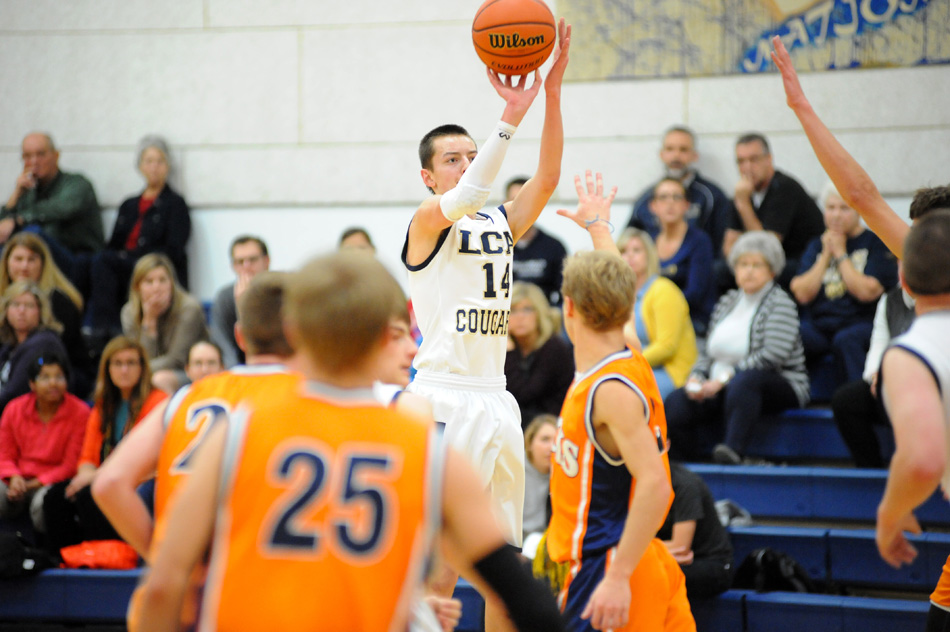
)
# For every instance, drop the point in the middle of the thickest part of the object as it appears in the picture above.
(156, 220)
(753, 363)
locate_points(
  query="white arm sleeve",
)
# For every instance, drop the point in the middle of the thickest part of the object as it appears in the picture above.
(473, 189)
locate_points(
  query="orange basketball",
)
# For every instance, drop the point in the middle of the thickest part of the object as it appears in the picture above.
(514, 37)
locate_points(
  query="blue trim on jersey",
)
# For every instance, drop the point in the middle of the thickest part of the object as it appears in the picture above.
(920, 357)
(617, 355)
(405, 250)
(501, 207)
(588, 417)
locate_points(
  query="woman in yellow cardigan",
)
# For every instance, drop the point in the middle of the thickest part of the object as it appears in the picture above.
(660, 315)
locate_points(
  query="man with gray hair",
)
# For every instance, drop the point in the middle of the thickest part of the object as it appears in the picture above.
(709, 208)
(61, 207)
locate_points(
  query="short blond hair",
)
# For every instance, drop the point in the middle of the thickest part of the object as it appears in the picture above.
(340, 306)
(602, 287)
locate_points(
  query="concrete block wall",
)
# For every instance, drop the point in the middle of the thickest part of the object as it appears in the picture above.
(294, 119)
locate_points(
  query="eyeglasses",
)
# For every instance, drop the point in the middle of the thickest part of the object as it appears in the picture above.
(46, 379)
(119, 364)
(522, 310)
(664, 197)
(752, 159)
(252, 260)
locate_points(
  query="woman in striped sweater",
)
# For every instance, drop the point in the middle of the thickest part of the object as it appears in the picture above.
(753, 363)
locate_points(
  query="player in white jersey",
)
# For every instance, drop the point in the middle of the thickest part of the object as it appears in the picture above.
(915, 381)
(459, 260)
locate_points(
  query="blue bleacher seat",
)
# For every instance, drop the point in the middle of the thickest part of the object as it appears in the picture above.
(807, 545)
(68, 596)
(812, 493)
(720, 614)
(802, 434)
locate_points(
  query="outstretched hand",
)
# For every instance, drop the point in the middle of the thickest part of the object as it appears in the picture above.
(592, 206)
(794, 95)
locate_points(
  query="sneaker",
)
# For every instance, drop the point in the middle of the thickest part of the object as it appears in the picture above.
(724, 455)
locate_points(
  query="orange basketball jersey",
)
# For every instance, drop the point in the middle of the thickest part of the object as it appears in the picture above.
(193, 410)
(590, 490)
(324, 516)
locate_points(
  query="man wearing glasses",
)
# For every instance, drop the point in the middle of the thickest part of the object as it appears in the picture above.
(767, 199)
(248, 259)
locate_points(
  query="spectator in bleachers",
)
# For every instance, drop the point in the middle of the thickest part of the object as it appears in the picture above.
(164, 318)
(693, 534)
(538, 257)
(686, 252)
(356, 238)
(40, 438)
(61, 207)
(660, 314)
(248, 259)
(156, 220)
(204, 359)
(857, 405)
(841, 275)
(27, 330)
(539, 366)
(538, 441)
(26, 258)
(709, 208)
(753, 362)
(768, 199)
(124, 395)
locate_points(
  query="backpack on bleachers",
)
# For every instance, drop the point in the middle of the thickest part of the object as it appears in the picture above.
(768, 569)
(18, 559)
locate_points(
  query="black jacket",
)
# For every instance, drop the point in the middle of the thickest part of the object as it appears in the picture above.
(165, 228)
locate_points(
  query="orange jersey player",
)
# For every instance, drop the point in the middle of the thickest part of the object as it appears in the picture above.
(610, 481)
(165, 442)
(319, 508)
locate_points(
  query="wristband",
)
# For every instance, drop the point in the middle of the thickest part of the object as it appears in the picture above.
(590, 222)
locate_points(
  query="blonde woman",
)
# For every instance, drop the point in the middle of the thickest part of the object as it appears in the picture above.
(164, 318)
(660, 314)
(26, 257)
(539, 366)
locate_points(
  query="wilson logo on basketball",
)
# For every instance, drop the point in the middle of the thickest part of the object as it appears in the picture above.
(499, 40)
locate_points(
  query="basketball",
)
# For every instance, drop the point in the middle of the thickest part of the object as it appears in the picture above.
(514, 37)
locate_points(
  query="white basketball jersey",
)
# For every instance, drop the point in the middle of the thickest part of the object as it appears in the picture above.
(928, 339)
(461, 297)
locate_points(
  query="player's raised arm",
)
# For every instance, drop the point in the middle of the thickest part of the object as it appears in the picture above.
(852, 181)
(157, 605)
(458, 174)
(114, 488)
(473, 543)
(534, 195)
(593, 211)
(621, 426)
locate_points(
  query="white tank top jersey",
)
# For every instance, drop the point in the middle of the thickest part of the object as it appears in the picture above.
(928, 339)
(461, 295)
